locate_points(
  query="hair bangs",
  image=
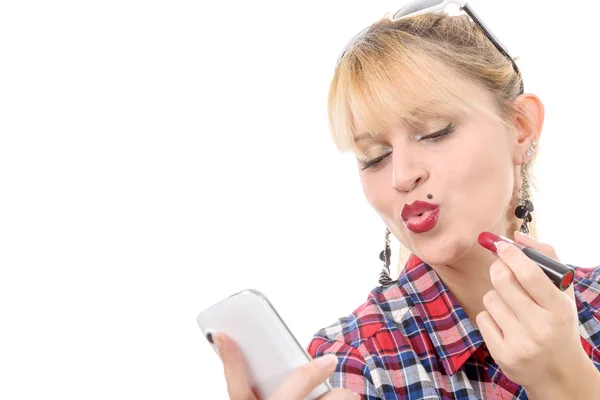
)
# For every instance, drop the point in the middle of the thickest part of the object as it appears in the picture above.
(372, 90)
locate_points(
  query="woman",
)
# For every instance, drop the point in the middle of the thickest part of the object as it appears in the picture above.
(433, 107)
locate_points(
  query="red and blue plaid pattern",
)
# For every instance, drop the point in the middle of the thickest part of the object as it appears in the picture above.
(412, 340)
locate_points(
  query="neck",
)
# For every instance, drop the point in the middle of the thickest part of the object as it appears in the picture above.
(469, 280)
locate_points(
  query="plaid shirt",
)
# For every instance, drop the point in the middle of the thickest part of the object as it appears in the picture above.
(412, 340)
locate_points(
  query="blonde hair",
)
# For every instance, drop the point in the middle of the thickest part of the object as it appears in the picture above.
(406, 69)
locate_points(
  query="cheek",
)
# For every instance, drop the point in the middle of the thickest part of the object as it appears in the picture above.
(379, 192)
(482, 181)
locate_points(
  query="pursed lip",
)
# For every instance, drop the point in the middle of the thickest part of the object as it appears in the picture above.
(416, 208)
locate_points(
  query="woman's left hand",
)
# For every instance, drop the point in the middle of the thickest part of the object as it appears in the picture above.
(531, 328)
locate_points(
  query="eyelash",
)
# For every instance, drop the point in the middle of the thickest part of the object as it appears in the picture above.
(434, 137)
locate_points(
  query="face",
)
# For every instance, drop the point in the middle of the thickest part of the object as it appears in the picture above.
(466, 162)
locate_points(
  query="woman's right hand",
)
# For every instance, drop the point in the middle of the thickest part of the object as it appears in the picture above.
(299, 384)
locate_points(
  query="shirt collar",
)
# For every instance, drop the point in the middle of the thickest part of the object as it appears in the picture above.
(453, 334)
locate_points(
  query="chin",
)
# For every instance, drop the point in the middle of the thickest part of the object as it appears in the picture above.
(437, 259)
(443, 251)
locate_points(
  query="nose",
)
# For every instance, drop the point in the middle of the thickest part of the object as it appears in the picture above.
(407, 174)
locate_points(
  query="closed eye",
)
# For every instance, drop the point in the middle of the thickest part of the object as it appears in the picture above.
(374, 162)
(439, 134)
(434, 137)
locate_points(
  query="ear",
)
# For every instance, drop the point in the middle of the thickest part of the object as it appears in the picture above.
(528, 124)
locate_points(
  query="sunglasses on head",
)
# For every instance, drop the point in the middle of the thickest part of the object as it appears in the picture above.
(426, 6)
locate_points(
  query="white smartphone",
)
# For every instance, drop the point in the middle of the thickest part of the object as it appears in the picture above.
(270, 350)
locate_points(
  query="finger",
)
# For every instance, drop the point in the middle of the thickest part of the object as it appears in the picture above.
(234, 368)
(512, 293)
(529, 274)
(504, 317)
(491, 332)
(305, 378)
(526, 240)
(545, 249)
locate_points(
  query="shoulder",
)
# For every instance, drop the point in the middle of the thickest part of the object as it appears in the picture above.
(385, 323)
(384, 305)
(358, 338)
(587, 284)
(389, 317)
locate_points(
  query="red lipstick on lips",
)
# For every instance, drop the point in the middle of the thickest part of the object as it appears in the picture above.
(420, 216)
(560, 274)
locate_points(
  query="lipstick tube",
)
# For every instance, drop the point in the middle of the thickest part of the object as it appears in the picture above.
(560, 274)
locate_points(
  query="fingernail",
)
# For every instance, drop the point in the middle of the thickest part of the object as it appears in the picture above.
(213, 338)
(501, 246)
(327, 362)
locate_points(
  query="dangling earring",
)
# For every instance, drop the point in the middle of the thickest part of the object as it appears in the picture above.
(525, 207)
(386, 253)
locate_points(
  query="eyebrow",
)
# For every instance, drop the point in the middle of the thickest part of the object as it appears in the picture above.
(364, 136)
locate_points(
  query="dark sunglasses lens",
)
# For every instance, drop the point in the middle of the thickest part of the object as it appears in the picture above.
(416, 6)
(351, 43)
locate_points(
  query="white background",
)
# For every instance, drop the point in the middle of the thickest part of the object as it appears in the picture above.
(157, 156)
